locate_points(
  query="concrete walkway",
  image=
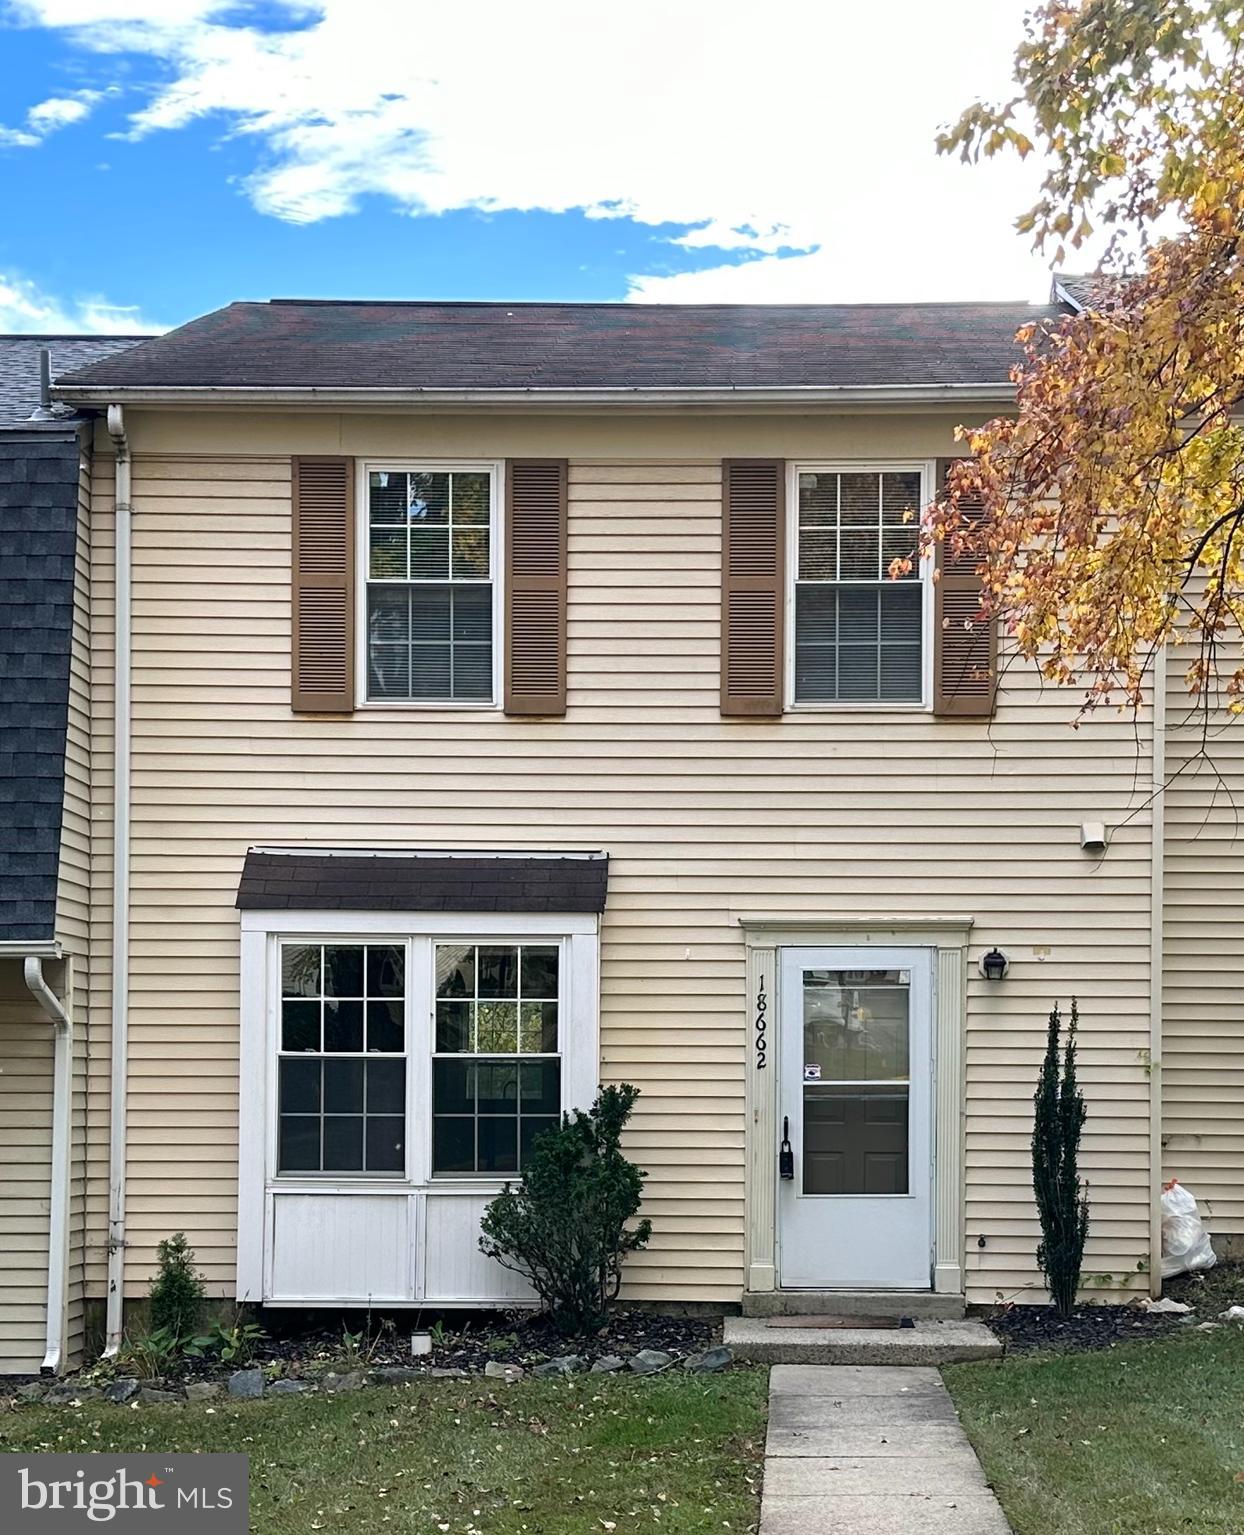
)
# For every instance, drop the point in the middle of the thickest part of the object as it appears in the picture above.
(870, 1450)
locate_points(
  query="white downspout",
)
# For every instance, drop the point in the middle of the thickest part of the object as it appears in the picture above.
(1157, 895)
(62, 1129)
(120, 886)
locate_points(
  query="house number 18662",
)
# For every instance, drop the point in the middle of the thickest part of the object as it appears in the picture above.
(762, 1044)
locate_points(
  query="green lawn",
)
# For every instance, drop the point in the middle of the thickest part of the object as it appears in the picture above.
(1143, 1439)
(592, 1453)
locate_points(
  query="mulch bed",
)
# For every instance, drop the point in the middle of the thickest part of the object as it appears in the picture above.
(1028, 1329)
(468, 1343)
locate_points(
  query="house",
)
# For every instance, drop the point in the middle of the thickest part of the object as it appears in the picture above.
(45, 812)
(513, 696)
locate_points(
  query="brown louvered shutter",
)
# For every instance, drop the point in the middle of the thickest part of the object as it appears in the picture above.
(965, 654)
(535, 588)
(752, 585)
(323, 585)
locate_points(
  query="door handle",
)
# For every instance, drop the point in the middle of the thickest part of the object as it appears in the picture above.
(786, 1157)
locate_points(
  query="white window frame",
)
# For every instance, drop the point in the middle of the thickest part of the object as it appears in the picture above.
(927, 470)
(495, 469)
(263, 933)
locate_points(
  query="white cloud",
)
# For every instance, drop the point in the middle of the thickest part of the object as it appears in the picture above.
(26, 309)
(789, 127)
(47, 116)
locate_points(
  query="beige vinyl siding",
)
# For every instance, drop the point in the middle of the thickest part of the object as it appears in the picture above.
(1203, 956)
(25, 1172)
(73, 900)
(838, 813)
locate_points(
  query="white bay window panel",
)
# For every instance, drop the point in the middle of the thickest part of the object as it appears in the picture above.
(347, 1018)
(858, 617)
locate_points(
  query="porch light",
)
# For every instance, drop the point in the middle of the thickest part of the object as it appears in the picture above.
(994, 965)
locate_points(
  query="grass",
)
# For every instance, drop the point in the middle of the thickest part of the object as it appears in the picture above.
(592, 1453)
(1143, 1439)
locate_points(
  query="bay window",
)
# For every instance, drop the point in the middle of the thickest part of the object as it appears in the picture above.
(859, 633)
(417, 1058)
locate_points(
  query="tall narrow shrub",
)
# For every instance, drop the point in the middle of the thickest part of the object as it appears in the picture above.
(177, 1290)
(565, 1227)
(1062, 1200)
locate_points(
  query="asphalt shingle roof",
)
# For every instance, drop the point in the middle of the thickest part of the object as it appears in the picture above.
(294, 343)
(38, 531)
(315, 880)
(19, 367)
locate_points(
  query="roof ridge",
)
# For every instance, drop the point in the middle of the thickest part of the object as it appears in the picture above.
(626, 304)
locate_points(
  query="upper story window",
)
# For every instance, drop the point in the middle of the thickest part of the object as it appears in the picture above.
(431, 585)
(859, 634)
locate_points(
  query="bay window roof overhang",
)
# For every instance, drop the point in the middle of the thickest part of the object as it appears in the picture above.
(354, 879)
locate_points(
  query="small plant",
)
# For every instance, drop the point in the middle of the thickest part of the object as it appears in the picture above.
(359, 1349)
(231, 1345)
(501, 1343)
(437, 1333)
(152, 1353)
(565, 1226)
(1062, 1200)
(177, 1290)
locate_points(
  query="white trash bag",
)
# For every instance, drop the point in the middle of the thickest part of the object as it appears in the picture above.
(1186, 1247)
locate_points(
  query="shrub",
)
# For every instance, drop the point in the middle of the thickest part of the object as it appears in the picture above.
(177, 1290)
(564, 1227)
(1062, 1200)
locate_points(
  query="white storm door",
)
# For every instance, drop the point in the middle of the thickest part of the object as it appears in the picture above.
(856, 1070)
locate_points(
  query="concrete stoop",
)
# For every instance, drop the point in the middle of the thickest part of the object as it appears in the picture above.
(929, 1342)
(911, 1303)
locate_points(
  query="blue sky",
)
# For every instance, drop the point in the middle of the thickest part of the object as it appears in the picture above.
(159, 158)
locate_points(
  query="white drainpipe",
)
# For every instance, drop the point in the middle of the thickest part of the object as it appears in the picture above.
(120, 887)
(62, 1129)
(1157, 899)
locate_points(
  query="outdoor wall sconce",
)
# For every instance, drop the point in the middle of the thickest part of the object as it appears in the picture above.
(994, 965)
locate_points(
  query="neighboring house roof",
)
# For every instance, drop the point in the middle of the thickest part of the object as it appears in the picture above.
(39, 468)
(19, 368)
(321, 879)
(1083, 291)
(303, 344)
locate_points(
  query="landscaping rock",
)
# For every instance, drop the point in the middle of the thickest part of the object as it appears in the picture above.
(202, 1390)
(120, 1391)
(509, 1373)
(246, 1385)
(443, 1374)
(287, 1387)
(350, 1381)
(69, 1393)
(150, 1397)
(608, 1363)
(651, 1361)
(711, 1359)
(393, 1375)
(565, 1364)
(32, 1391)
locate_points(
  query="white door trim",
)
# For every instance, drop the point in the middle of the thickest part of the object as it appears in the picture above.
(764, 935)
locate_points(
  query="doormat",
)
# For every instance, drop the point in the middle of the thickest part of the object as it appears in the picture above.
(871, 1323)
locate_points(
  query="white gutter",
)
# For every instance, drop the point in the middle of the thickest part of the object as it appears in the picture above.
(641, 397)
(120, 886)
(62, 1129)
(1157, 858)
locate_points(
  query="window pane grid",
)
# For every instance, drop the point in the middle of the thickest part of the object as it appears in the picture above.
(430, 586)
(496, 1073)
(341, 1064)
(858, 632)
